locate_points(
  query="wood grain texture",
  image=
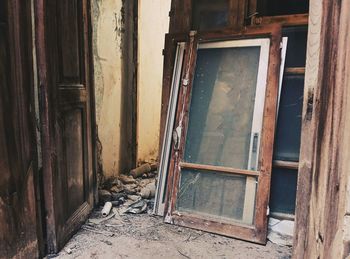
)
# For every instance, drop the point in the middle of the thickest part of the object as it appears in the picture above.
(64, 42)
(180, 16)
(324, 167)
(18, 157)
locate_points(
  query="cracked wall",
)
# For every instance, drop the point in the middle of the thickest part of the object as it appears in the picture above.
(107, 44)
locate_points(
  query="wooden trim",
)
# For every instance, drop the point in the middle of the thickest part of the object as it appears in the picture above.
(269, 124)
(45, 111)
(180, 16)
(222, 169)
(285, 164)
(284, 20)
(268, 133)
(294, 71)
(236, 230)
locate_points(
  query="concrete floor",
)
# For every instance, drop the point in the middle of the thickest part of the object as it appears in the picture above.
(145, 236)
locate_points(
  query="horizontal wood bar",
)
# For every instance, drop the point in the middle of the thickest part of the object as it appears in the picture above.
(282, 216)
(285, 164)
(294, 70)
(236, 230)
(222, 169)
(285, 20)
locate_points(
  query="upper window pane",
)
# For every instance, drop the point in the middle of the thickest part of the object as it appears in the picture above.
(222, 106)
(282, 7)
(209, 15)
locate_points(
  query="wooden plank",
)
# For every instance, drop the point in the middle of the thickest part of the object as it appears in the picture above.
(294, 71)
(20, 229)
(284, 20)
(285, 164)
(180, 16)
(222, 169)
(324, 158)
(223, 228)
(312, 73)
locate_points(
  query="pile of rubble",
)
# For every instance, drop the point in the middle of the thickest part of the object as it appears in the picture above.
(135, 191)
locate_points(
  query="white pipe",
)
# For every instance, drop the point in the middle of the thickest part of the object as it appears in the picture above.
(106, 209)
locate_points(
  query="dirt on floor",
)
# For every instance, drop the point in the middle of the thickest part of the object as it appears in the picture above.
(146, 236)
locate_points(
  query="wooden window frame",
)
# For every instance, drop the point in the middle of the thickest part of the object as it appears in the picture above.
(258, 231)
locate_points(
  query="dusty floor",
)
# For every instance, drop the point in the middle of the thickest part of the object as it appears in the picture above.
(145, 236)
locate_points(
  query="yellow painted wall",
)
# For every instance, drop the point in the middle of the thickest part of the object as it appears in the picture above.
(107, 32)
(108, 36)
(153, 23)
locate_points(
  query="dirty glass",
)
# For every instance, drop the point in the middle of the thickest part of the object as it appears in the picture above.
(282, 7)
(215, 195)
(208, 14)
(222, 107)
(283, 190)
(287, 141)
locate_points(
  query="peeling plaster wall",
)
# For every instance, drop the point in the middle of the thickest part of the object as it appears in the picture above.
(107, 42)
(115, 80)
(153, 23)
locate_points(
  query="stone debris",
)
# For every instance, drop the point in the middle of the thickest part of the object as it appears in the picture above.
(133, 193)
(137, 207)
(148, 191)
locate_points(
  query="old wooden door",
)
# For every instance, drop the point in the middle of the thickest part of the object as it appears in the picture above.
(221, 157)
(18, 174)
(64, 57)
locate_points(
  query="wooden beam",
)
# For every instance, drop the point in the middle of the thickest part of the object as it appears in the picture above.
(324, 158)
(285, 164)
(218, 169)
(284, 20)
(294, 71)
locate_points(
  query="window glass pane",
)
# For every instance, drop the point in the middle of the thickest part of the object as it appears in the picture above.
(296, 47)
(282, 7)
(208, 14)
(216, 195)
(287, 142)
(283, 190)
(222, 107)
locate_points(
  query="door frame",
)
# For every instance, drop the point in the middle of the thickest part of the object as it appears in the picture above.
(46, 110)
(257, 233)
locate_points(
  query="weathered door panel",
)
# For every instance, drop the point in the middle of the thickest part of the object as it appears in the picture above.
(18, 218)
(69, 117)
(220, 167)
